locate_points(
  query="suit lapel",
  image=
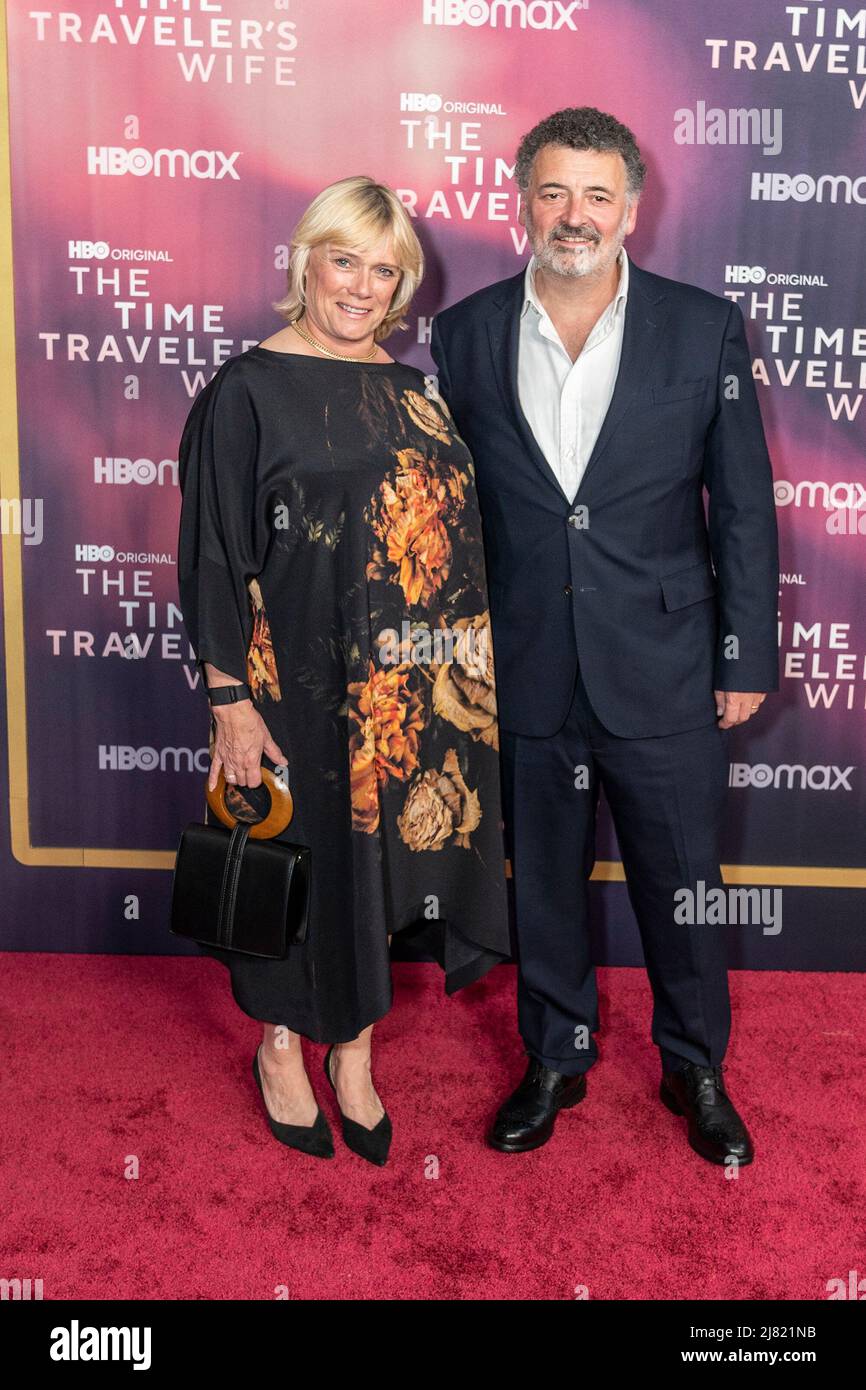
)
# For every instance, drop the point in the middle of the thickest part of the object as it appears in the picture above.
(645, 312)
(503, 328)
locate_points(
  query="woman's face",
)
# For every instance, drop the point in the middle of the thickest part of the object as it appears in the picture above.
(349, 292)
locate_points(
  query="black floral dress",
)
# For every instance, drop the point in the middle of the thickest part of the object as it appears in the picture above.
(330, 554)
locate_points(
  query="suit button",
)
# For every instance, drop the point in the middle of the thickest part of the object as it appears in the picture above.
(567, 589)
(573, 520)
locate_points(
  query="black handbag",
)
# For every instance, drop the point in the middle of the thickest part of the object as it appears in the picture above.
(236, 888)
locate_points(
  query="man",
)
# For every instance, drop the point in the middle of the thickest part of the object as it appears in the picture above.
(631, 629)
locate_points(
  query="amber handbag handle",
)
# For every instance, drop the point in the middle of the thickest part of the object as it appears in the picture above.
(278, 817)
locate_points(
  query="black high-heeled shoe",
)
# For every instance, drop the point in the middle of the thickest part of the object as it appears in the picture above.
(372, 1144)
(315, 1139)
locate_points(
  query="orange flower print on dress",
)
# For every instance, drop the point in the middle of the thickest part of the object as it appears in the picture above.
(439, 808)
(409, 516)
(464, 691)
(424, 414)
(389, 714)
(261, 663)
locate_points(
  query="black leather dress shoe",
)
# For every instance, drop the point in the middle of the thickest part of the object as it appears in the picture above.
(716, 1131)
(315, 1139)
(372, 1144)
(527, 1118)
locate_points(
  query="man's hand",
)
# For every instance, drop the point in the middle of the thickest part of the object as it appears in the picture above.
(735, 706)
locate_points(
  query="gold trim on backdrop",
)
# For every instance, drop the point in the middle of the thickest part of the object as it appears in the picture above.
(608, 871)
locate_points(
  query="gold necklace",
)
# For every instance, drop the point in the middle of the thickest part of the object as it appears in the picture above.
(340, 357)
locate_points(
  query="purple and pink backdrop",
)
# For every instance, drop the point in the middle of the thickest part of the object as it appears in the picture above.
(160, 154)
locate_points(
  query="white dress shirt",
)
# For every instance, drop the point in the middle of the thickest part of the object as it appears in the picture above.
(565, 402)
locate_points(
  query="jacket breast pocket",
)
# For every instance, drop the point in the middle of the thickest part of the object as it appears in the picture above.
(688, 586)
(680, 391)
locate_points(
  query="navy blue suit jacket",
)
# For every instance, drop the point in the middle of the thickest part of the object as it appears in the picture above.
(661, 598)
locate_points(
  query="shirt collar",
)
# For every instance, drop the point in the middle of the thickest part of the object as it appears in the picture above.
(530, 298)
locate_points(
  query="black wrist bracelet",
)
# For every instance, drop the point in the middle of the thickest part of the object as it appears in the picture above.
(228, 694)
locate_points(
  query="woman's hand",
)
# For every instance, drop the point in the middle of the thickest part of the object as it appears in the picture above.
(241, 737)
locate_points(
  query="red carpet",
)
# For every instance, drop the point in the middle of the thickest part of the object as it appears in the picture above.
(112, 1056)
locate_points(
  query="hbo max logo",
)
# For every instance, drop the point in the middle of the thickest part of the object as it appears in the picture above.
(522, 14)
(815, 779)
(115, 161)
(120, 757)
(140, 471)
(802, 188)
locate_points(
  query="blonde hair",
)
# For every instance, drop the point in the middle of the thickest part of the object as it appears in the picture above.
(354, 214)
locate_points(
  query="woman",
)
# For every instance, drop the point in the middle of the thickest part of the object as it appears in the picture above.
(330, 564)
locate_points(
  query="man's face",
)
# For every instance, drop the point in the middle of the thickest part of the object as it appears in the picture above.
(575, 210)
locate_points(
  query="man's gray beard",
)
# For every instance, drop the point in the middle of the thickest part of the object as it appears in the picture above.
(578, 267)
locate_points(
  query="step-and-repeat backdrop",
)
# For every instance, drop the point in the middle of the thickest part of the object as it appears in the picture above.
(160, 152)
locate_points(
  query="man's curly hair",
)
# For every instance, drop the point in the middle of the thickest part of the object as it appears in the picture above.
(581, 128)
